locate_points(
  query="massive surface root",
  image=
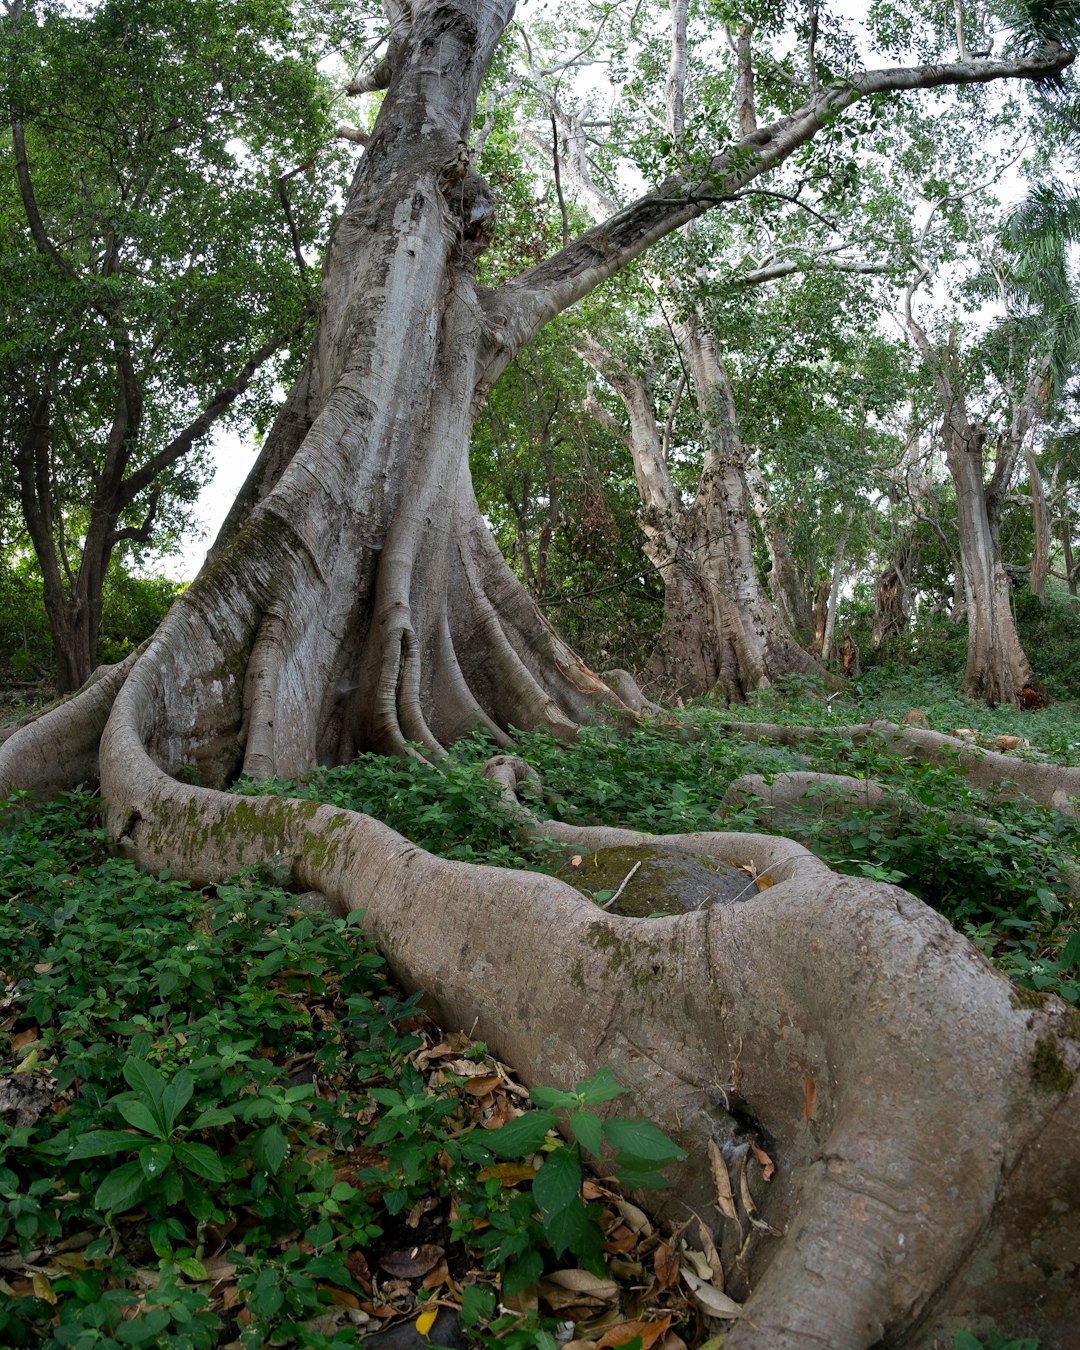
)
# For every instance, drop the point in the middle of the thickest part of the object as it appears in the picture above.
(920, 1111)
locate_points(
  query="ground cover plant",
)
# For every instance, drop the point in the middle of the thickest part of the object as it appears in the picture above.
(1003, 871)
(220, 1124)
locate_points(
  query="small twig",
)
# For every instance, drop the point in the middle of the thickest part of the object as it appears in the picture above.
(625, 882)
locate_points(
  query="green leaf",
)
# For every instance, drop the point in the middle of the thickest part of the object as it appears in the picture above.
(601, 1087)
(574, 1230)
(266, 1298)
(99, 1142)
(642, 1139)
(518, 1138)
(203, 1161)
(639, 1176)
(585, 1128)
(149, 1085)
(558, 1183)
(175, 1097)
(121, 1189)
(553, 1098)
(144, 1330)
(522, 1273)
(216, 1115)
(270, 1149)
(477, 1303)
(154, 1159)
(194, 1270)
(139, 1114)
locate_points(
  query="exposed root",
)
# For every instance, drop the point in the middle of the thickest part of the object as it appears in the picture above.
(1053, 785)
(57, 749)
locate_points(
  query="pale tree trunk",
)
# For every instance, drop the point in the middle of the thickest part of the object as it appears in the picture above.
(786, 584)
(688, 657)
(828, 637)
(917, 1115)
(997, 670)
(721, 523)
(721, 632)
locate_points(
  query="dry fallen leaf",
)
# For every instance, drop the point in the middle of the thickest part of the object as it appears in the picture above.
(411, 1262)
(725, 1200)
(624, 1332)
(809, 1096)
(634, 1218)
(426, 1321)
(768, 1167)
(666, 1264)
(764, 882)
(710, 1300)
(582, 1282)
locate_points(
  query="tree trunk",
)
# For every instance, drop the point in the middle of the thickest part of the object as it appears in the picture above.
(828, 636)
(997, 669)
(786, 584)
(920, 1117)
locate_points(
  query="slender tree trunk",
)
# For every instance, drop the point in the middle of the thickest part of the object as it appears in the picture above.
(827, 637)
(786, 585)
(997, 670)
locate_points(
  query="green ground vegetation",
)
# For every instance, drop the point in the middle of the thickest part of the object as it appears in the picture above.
(220, 1124)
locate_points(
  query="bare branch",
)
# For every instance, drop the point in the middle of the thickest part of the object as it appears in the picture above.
(42, 242)
(344, 132)
(218, 405)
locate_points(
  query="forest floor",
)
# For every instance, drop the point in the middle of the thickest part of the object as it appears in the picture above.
(220, 1124)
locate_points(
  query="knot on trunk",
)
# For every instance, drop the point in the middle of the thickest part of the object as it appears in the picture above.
(472, 204)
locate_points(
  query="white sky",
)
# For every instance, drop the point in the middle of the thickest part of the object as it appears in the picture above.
(233, 457)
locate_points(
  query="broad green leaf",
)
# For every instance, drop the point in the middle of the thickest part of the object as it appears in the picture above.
(477, 1302)
(553, 1098)
(572, 1229)
(639, 1176)
(216, 1115)
(100, 1142)
(149, 1085)
(144, 1330)
(266, 1298)
(601, 1087)
(121, 1189)
(194, 1270)
(558, 1183)
(522, 1273)
(522, 1136)
(642, 1139)
(270, 1149)
(140, 1115)
(203, 1161)
(154, 1159)
(585, 1128)
(176, 1097)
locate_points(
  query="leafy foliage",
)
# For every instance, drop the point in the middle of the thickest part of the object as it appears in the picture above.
(220, 1117)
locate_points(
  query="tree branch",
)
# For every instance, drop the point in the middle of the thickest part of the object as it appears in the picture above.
(42, 242)
(218, 405)
(521, 306)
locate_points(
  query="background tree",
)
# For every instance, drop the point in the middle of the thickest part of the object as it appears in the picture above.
(154, 230)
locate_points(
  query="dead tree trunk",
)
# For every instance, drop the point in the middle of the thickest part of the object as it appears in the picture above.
(357, 600)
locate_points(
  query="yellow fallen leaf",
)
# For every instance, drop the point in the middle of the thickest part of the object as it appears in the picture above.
(426, 1321)
(43, 1289)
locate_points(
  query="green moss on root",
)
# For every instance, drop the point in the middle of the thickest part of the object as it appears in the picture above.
(1049, 1072)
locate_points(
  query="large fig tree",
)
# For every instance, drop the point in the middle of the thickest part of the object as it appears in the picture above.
(923, 1121)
